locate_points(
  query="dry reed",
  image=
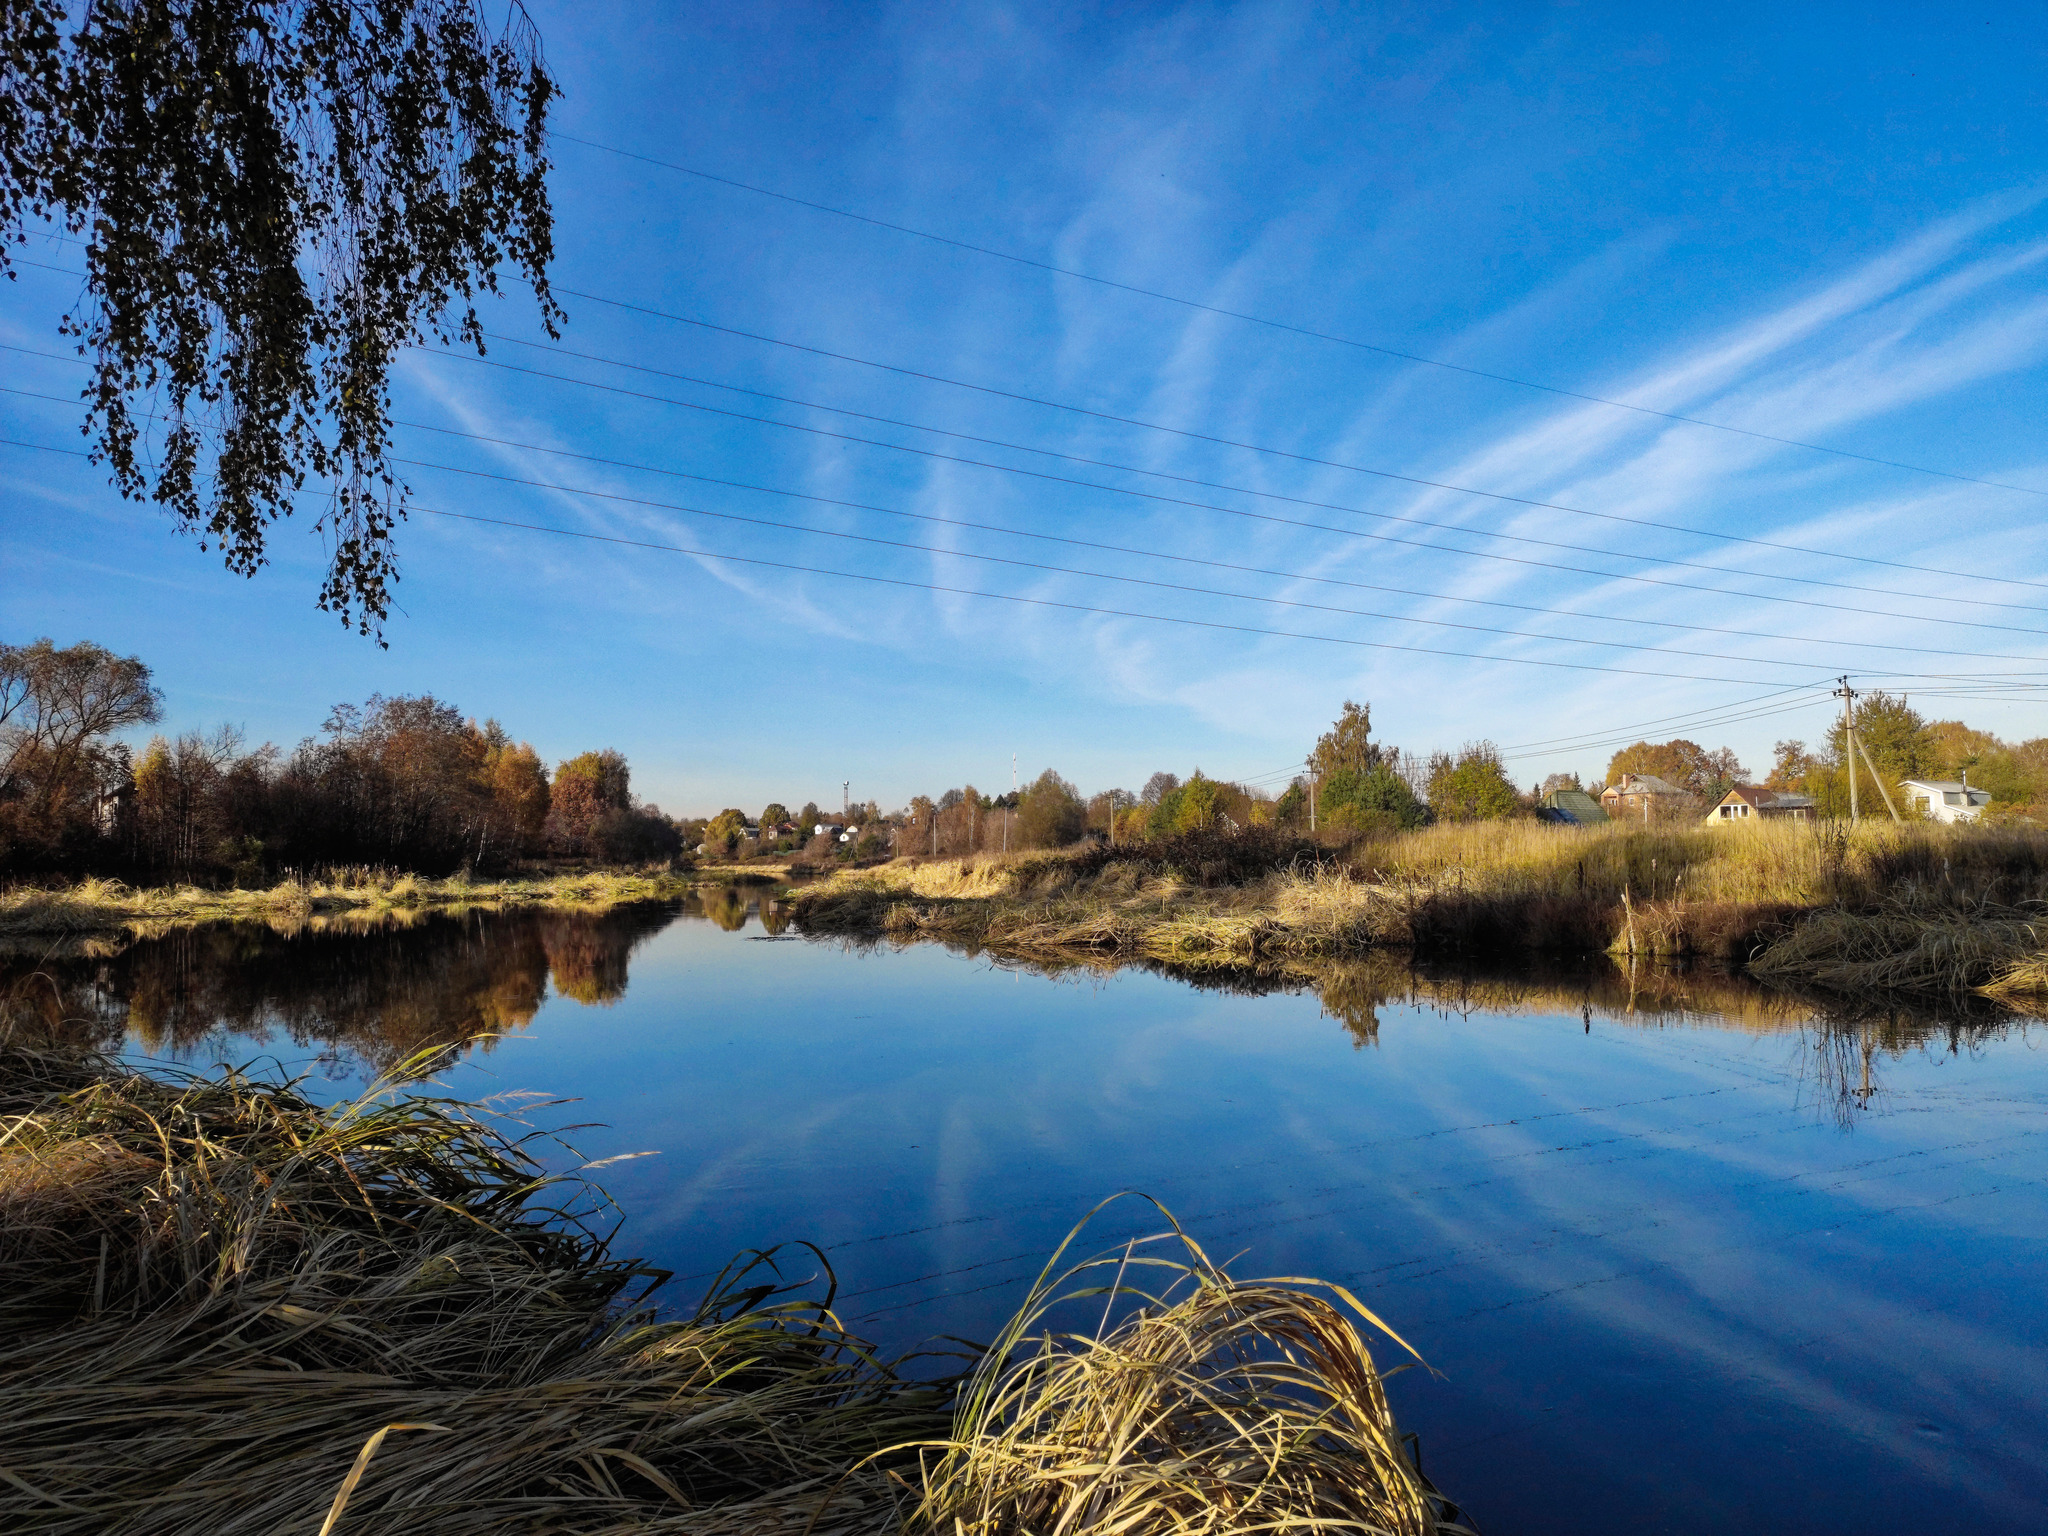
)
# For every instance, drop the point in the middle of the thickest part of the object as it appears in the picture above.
(100, 905)
(1473, 889)
(1216, 1406)
(223, 1308)
(216, 1299)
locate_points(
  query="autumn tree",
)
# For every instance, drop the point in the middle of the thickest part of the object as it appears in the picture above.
(587, 790)
(1347, 744)
(59, 709)
(1157, 788)
(1472, 786)
(274, 199)
(518, 787)
(1052, 814)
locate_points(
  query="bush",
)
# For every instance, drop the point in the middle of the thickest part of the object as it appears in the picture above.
(1371, 799)
(1213, 855)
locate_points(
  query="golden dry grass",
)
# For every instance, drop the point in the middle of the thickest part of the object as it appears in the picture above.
(1474, 889)
(1213, 1406)
(224, 1309)
(100, 905)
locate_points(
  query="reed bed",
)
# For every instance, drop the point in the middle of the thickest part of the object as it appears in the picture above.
(103, 905)
(1915, 947)
(1213, 1406)
(1476, 889)
(225, 1309)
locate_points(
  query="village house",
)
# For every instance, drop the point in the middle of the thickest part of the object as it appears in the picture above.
(1947, 800)
(1751, 803)
(1642, 796)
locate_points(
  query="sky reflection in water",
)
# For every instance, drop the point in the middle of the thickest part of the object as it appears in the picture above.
(1684, 1270)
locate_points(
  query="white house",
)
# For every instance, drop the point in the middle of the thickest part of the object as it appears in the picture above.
(1946, 799)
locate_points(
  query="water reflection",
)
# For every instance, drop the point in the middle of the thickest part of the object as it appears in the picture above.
(1610, 1204)
(366, 997)
(363, 998)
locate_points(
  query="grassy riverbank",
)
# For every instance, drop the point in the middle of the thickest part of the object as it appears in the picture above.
(1755, 895)
(224, 1309)
(100, 905)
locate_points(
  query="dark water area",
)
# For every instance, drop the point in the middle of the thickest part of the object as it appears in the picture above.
(1684, 1255)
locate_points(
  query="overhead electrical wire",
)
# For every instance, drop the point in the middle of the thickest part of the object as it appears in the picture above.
(1297, 330)
(1119, 549)
(1693, 716)
(1356, 533)
(1240, 490)
(1451, 528)
(971, 592)
(1139, 581)
(1227, 442)
(1154, 554)
(1140, 552)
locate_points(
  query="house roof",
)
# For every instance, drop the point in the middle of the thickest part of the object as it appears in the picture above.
(1574, 805)
(1946, 785)
(1641, 784)
(1767, 799)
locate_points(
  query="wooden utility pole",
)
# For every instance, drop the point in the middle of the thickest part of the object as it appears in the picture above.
(1311, 767)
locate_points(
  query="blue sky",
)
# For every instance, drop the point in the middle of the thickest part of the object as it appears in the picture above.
(1826, 224)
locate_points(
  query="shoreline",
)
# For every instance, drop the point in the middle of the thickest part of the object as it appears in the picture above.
(1900, 909)
(99, 906)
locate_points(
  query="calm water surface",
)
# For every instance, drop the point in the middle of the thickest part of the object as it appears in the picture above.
(1699, 1264)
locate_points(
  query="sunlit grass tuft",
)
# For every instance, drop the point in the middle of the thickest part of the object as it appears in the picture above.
(1212, 1406)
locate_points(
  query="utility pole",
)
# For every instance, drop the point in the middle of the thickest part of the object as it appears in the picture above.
(1848, 697)
(845, 800)
(1311, 768)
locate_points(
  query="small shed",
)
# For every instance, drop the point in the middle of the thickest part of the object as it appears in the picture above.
(1571, 808)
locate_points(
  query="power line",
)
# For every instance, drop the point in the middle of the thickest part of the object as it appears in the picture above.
(1153, 554)
(1160, 474)
(1046, 602)
(1661, 720)
(996, 559)
(1140, 581)
(1012, 469)
(1227, 442)
(1384, 474)
(1298, 330)
(1144, 553)
(1452, 528)
(1624, 738)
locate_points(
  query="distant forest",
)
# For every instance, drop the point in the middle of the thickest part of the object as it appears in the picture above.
(404, 782)
(412, 783)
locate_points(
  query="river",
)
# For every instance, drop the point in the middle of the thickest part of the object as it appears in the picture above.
(1682, 1256)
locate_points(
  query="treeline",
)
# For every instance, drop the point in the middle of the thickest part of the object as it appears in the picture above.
(407, 782)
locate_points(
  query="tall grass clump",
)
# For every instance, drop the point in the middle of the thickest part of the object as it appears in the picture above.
(226, 1309)
(223, 1309)
(1213, 1406)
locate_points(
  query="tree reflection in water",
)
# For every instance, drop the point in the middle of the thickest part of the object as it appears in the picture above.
(360, 997)
(421, 988)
